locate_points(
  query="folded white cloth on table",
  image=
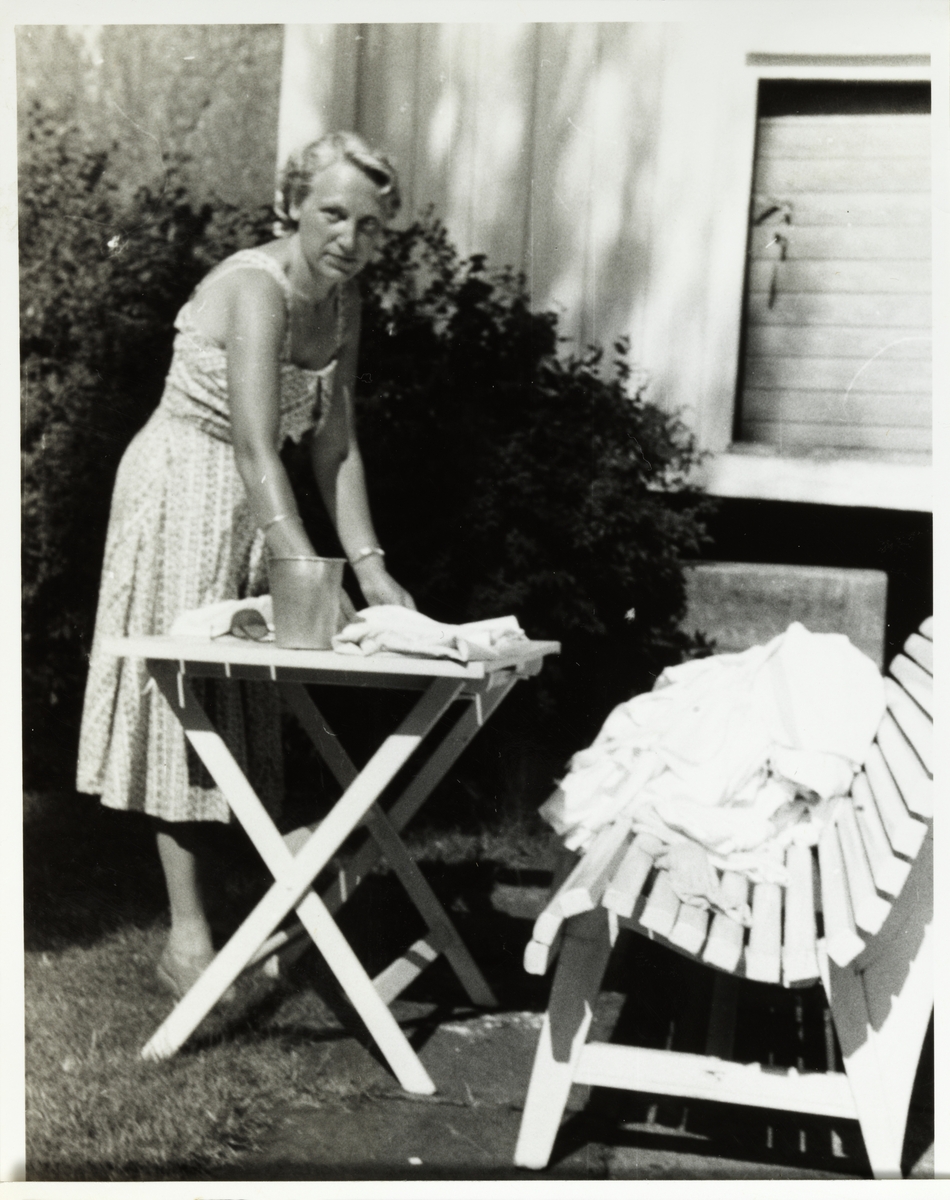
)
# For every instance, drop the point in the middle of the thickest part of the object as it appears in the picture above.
(734, 753)
(382, 628)
(390, 629)
(251, 618)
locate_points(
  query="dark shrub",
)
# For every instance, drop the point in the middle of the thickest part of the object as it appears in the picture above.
(101, 278)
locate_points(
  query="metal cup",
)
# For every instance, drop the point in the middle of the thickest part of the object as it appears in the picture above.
(306, 593)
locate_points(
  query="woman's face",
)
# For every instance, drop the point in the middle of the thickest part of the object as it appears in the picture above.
(340, 222)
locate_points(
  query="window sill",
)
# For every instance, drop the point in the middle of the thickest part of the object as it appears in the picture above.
(855, 482)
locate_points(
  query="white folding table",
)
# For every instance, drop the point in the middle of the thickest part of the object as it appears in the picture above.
(481, 686)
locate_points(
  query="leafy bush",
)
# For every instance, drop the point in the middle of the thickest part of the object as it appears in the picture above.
(504, 475)
(101, 278)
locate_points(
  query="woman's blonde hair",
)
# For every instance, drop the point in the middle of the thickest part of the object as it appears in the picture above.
(297, 176)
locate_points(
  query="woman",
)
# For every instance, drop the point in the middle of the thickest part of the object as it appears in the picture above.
(266, 349)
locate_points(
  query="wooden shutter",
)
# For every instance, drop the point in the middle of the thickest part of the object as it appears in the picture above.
(837, 335)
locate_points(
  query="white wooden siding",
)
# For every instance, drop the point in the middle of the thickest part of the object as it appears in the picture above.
(838, 340)
(533, 143)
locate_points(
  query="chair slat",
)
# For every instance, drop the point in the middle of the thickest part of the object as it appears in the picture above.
(909, 773)
(586, 884)
(662, 906)
(538, 956)
(692, 925)
(727, 936)
(913, 723)
(915, 681)
(904, 832)
(889, 871)
(869, 909)
(841, 939)
(799, 949)
(547, 927)
(921, 651)
(627, 884)
(548, 924)
(927, 629)
(763, 956)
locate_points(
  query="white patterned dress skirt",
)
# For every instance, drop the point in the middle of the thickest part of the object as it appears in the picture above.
(180, 536)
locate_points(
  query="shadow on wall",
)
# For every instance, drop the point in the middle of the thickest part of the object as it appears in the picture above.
(567, 151)
(534, 143)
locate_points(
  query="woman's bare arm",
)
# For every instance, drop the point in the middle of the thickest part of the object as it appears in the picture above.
(256, 328)
(338, 469)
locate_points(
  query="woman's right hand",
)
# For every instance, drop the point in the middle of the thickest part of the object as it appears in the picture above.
(378, 586)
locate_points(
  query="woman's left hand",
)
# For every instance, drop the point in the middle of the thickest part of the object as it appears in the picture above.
(379, 587)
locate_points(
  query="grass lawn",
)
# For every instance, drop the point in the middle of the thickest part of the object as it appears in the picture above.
(95, 924)
(95, 1110)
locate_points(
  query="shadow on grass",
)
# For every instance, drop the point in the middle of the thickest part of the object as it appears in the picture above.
(88, 871)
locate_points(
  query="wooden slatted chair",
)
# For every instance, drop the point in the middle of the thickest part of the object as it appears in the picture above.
(856, 915)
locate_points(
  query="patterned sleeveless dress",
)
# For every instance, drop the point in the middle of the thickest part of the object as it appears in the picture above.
(181, 535)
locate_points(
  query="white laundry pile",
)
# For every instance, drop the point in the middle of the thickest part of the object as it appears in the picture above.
(389, 629)
(728, 759)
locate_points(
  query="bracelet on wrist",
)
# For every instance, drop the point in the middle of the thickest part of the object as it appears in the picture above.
(366, 552)
(287, 516)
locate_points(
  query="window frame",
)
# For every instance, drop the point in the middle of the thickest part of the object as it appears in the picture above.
(821, 476)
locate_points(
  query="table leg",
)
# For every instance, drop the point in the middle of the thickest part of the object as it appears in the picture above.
(432, 770)
(385, 834)
(432, 912)
(344, 964)
(405, 807)
(294, 875)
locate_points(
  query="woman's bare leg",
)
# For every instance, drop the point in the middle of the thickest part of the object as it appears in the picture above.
(190, 937)
(189, 948)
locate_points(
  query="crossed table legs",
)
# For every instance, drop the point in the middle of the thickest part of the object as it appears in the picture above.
(294, 874)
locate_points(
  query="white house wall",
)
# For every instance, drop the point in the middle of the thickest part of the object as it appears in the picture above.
(611, 163)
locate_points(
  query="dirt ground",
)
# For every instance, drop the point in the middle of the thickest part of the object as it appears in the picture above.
(481, 1063)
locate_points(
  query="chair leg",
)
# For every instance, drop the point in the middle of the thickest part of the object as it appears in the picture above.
(881, 1050)
(849, 1011)
(881, 1011)
(577, 980)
